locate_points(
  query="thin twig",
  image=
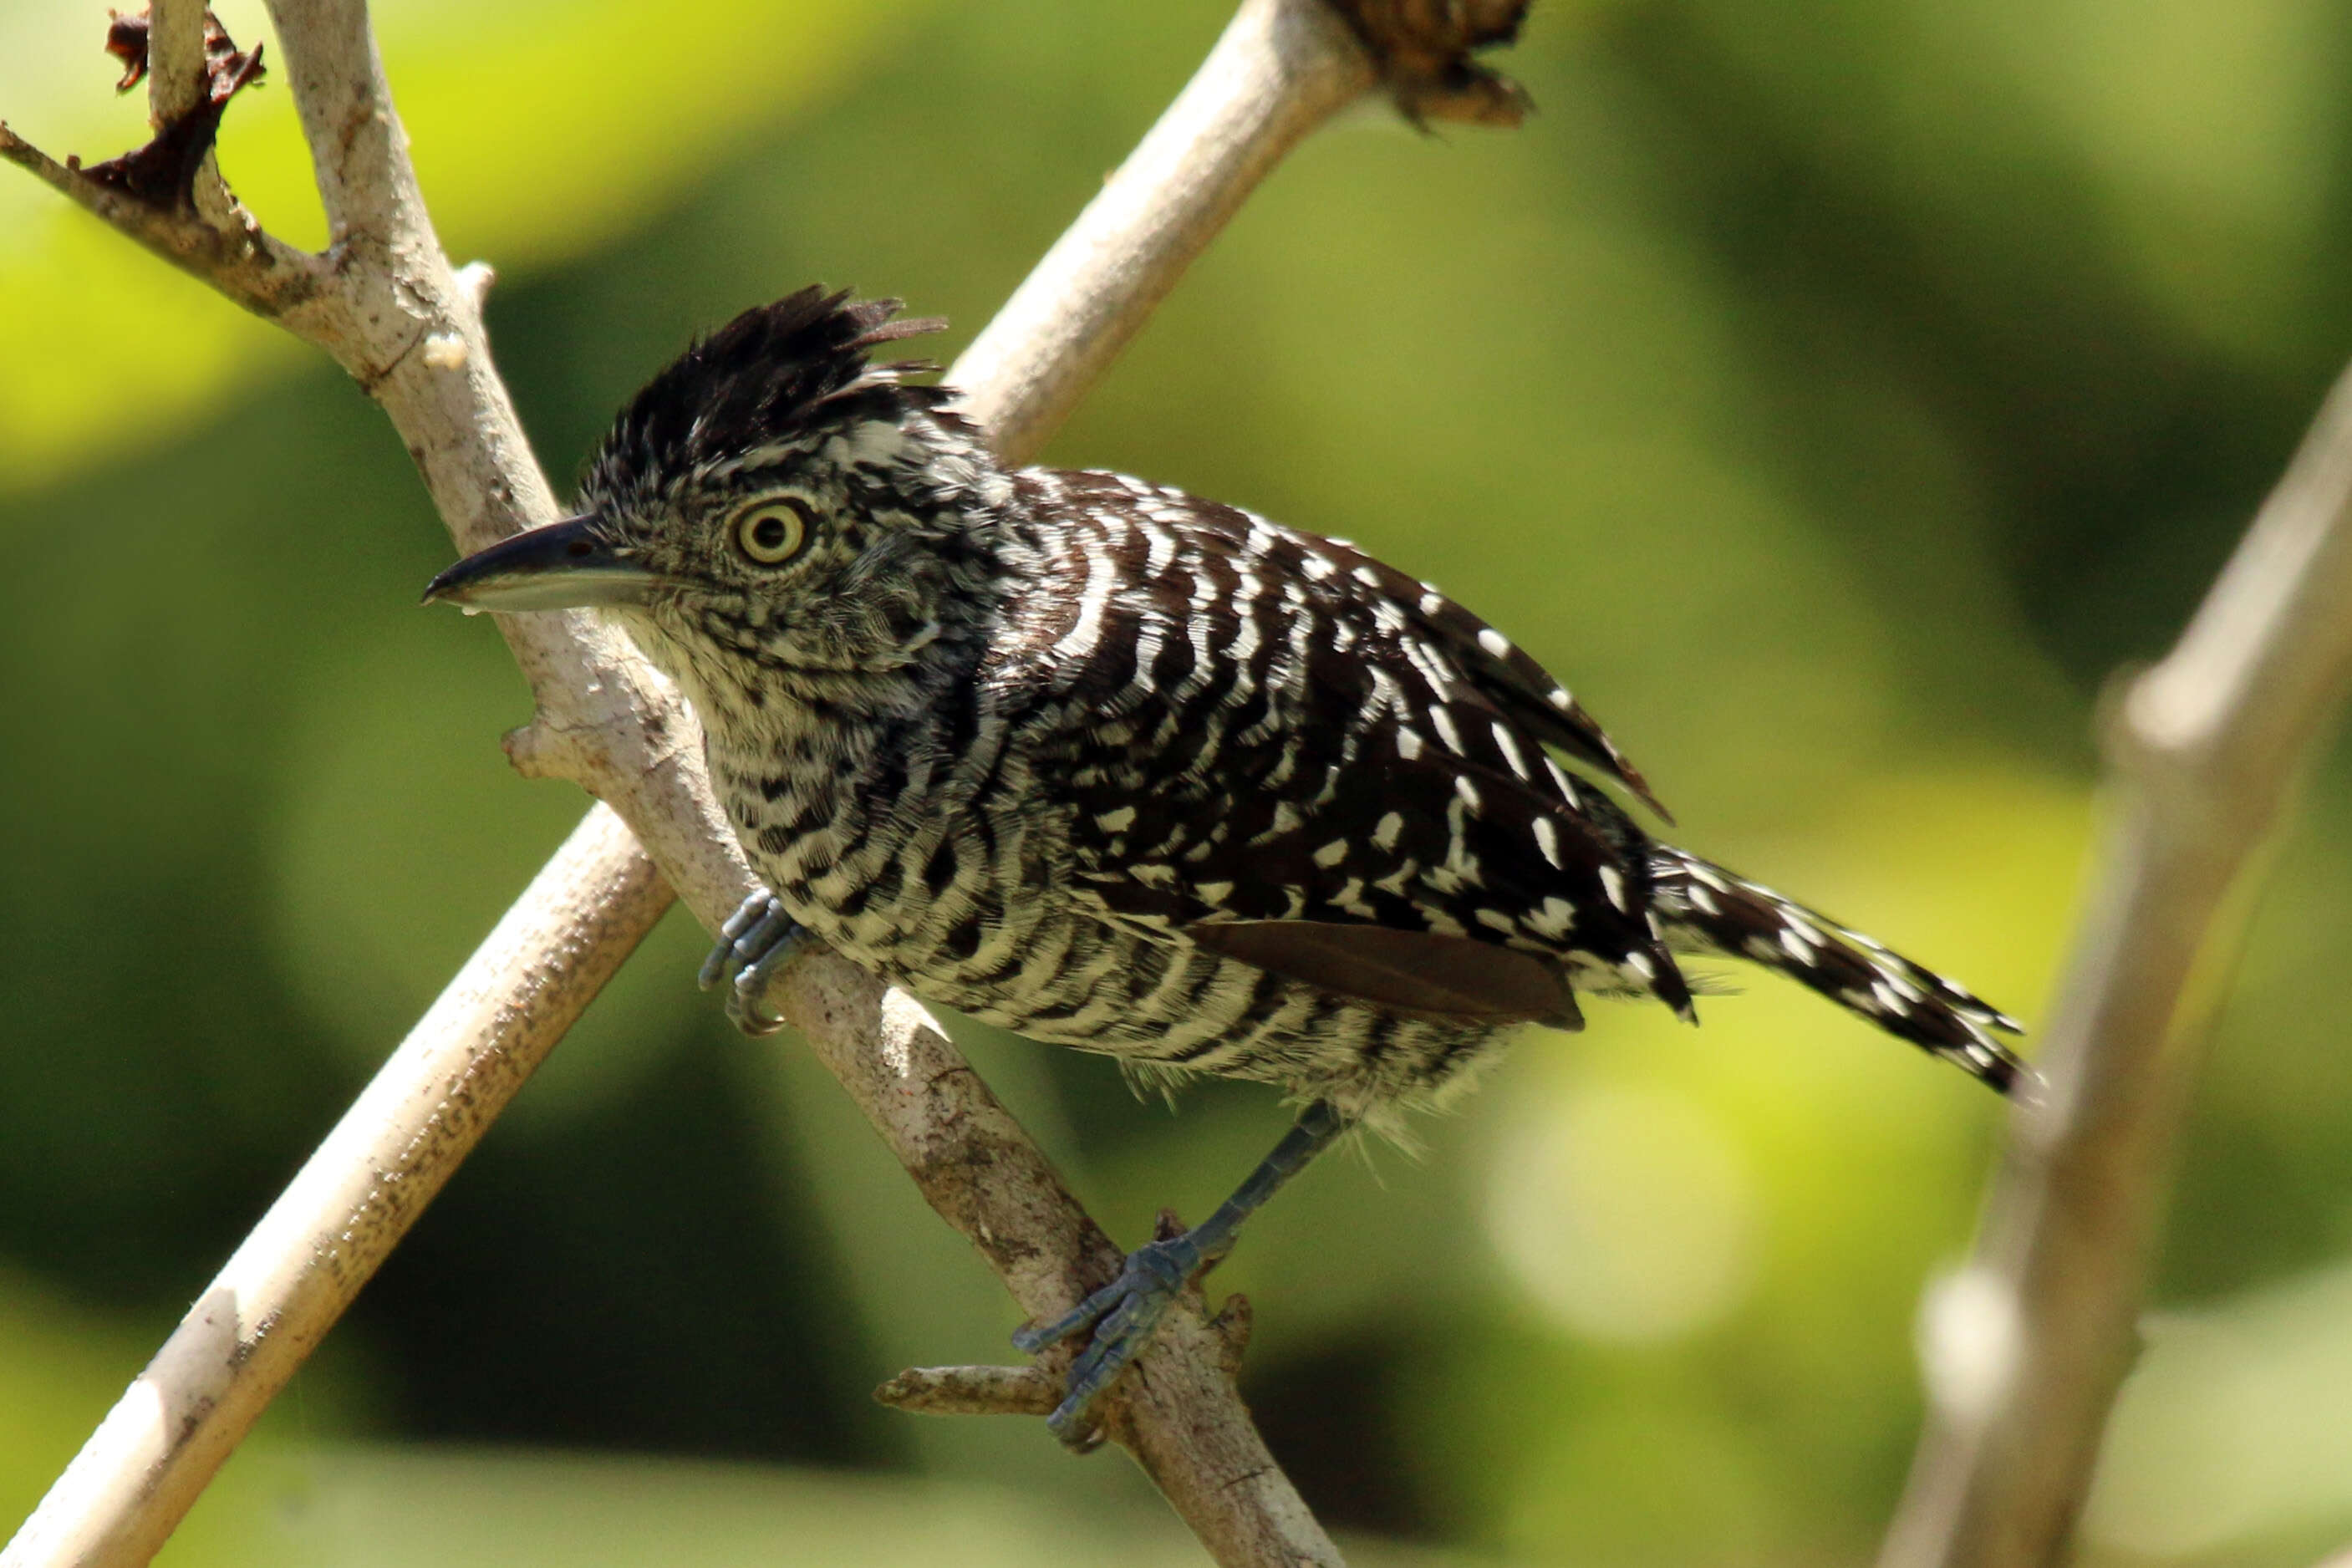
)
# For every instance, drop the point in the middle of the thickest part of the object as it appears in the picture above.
(179, 84)
(386, 305)
(2025, 1348)
(972, 1391)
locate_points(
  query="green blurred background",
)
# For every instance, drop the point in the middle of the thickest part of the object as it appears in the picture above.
(1835, 391)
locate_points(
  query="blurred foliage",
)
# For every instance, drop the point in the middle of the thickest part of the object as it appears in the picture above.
(1834, 393)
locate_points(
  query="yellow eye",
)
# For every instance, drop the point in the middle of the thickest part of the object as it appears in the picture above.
(772, 532)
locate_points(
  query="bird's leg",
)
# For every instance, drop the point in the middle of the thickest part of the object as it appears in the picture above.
(1123, 1313)
(753, 945)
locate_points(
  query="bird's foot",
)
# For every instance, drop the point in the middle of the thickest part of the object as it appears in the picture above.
(1122, 1315)
(753, 945)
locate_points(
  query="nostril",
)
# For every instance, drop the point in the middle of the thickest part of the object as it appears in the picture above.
(578, 548)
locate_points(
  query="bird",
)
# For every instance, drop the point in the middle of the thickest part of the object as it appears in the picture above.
(1115, 768)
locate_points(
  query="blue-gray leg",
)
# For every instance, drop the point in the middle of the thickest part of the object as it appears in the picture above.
(753, 945)
(1123, 1313)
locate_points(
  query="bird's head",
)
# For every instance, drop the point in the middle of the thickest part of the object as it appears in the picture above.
(772, 515)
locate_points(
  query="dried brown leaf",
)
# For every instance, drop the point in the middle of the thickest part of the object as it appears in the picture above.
(126, 40)
(1423, 48)
(163, 173)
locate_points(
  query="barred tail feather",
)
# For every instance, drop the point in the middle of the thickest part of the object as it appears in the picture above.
(1707, 909)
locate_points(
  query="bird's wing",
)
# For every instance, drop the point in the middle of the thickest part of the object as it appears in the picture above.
(1288, 752)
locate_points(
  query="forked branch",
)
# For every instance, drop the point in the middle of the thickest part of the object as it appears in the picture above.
(385, 301)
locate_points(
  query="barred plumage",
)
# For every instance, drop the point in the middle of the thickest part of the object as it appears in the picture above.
(1126, 770)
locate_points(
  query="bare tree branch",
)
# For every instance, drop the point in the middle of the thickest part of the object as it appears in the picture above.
(386, 303)
(2025, 1348)
(266, 276)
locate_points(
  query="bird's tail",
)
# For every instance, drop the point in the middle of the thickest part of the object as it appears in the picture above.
(1706, 909)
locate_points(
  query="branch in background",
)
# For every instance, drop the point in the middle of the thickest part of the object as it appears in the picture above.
(385, 304)
(2025, 1348)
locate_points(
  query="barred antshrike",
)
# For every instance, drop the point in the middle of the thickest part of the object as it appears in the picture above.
(1123, 769)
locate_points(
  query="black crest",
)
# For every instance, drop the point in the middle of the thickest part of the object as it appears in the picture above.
(772, 372)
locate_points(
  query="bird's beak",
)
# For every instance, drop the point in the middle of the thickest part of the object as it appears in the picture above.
(561, 566)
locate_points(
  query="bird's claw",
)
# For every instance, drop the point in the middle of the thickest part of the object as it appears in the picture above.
(753, 945)
(1122, 1315)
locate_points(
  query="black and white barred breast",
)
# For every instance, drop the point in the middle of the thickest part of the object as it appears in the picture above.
(1212, 795)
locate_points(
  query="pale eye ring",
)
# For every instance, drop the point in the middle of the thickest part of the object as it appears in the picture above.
(772, 532)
